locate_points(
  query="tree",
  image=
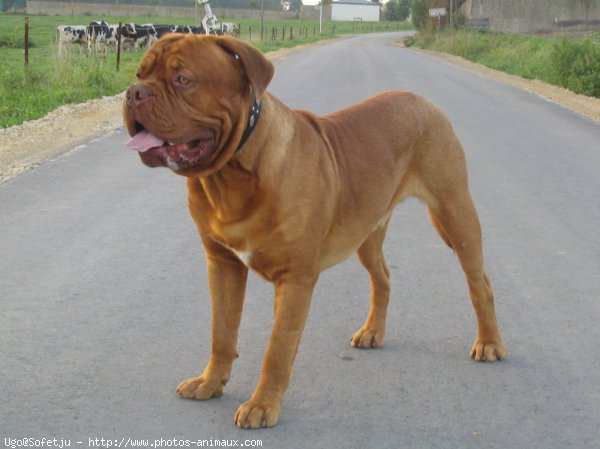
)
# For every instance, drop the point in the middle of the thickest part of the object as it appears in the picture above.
(396, 10)
(420, 13)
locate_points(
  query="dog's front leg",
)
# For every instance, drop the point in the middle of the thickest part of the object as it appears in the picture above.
(227, 282)
(292, 301)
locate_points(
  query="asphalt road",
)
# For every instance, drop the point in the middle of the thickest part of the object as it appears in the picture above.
(105, 307)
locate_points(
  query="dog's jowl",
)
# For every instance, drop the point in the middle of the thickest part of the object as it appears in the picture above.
(200, 107)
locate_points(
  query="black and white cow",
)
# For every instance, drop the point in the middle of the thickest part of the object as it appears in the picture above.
(221, 28)
(230, 29)
(161, 30)
(194, 29)
(67, 35)
(101, 36)
(137, 37)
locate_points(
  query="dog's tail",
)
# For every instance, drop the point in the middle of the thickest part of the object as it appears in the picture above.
(438, 226)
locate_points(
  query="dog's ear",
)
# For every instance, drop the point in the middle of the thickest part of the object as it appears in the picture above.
(259, 69)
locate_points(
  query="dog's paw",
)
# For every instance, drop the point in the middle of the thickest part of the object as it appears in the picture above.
(488, 351)
(367, 337)
(256, 414)
(201, 388)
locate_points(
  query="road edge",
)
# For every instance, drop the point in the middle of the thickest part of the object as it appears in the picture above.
(583, 106)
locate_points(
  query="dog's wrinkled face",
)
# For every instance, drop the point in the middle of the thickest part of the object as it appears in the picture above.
(190, 104)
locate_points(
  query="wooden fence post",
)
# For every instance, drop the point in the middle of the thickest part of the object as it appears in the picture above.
(119, 32)
(26, 42)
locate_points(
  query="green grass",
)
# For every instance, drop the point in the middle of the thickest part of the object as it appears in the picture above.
(51, 80)
(574, 64)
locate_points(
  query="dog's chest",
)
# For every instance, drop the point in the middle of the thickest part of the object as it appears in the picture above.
(244, 256)
(241, 238)
(241, 220)
(262, 260)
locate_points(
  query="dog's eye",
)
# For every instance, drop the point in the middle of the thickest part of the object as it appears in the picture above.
(183, 80)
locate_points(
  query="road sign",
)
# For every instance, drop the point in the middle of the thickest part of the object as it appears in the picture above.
(437, 12)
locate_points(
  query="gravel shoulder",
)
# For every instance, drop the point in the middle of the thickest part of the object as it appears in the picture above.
(25, 146)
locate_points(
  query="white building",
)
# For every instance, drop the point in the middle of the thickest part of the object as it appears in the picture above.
(355, 10)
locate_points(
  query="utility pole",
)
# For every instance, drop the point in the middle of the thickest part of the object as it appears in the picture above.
(321, 18)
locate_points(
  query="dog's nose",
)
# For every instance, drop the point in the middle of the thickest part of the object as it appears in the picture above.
(136, 94)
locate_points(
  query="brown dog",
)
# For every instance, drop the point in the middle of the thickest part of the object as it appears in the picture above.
(289, 194)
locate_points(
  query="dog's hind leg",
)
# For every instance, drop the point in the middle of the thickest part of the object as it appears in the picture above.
(438, 227)
(455, 218)
(370, 254)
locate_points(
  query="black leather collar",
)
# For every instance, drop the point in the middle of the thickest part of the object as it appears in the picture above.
(252, 121)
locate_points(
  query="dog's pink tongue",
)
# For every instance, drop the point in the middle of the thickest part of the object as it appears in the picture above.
(143, 141)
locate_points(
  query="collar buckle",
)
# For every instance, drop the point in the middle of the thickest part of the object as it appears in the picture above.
(252, 121)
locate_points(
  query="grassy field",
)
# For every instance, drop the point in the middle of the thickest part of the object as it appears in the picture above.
(52, 80)
(562, 61)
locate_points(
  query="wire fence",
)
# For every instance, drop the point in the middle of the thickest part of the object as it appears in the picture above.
(268, 33)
